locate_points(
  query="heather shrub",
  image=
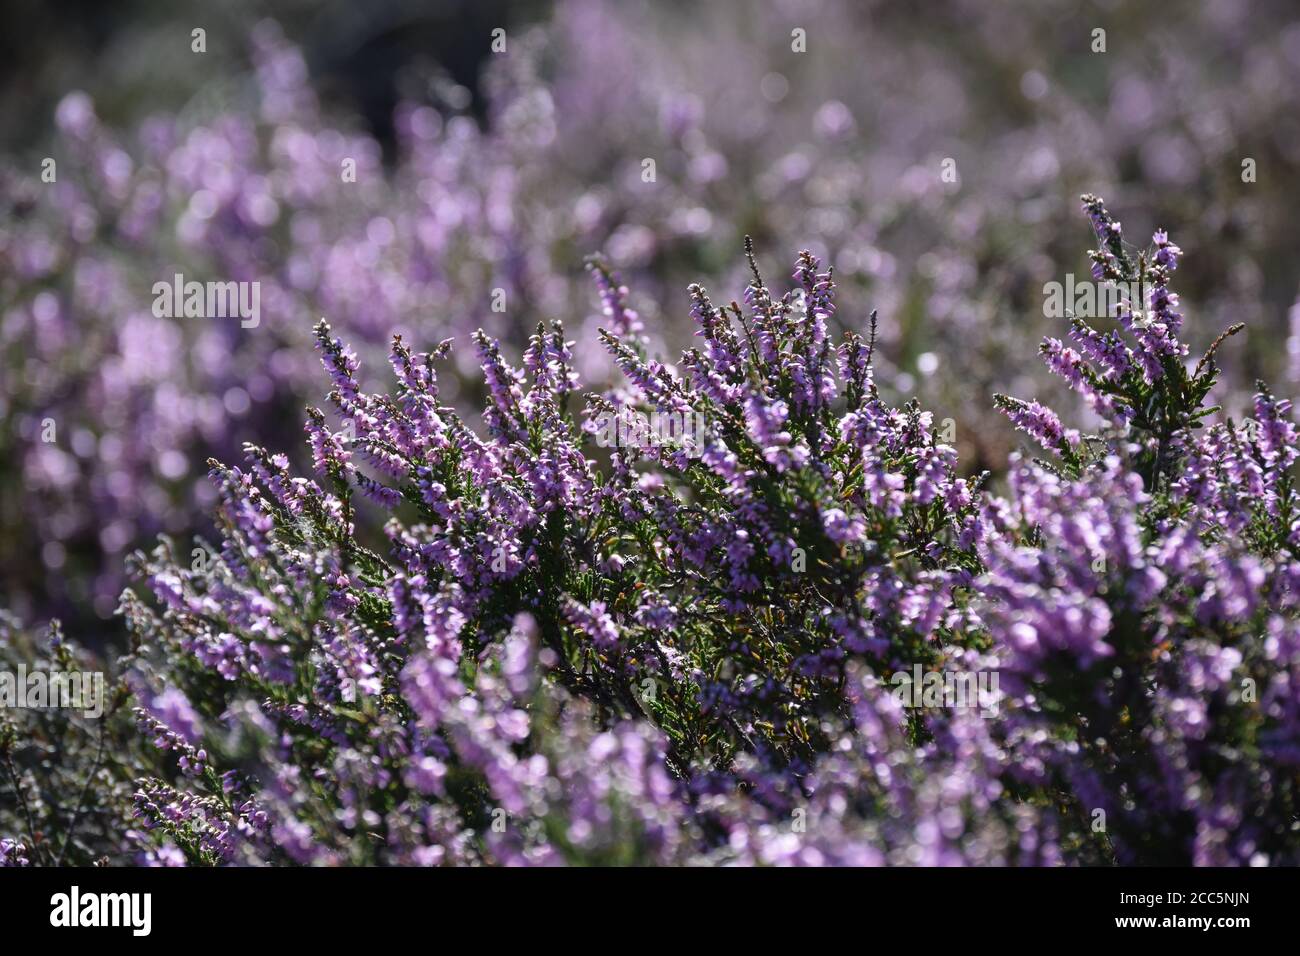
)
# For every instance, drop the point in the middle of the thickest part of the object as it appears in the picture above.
(832, 529)
(680, 619)
(1141, 589)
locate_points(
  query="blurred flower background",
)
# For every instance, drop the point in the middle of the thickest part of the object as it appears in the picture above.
(484, 179)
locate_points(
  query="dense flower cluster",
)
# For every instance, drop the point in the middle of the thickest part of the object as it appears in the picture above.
(655, 653)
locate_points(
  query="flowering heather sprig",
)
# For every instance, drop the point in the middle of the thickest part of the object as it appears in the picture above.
(1110, 262)
(1043, 425)
(1106, 351)
(623, 321)
(723, 348)
(1239, 477)
(1144, 391)
(1069, 365)
(813, 379)
(192, 761)
(207, 830)
(855, 366)
(1162, 302)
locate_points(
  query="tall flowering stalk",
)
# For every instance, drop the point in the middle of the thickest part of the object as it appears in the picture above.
(1136, 380)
